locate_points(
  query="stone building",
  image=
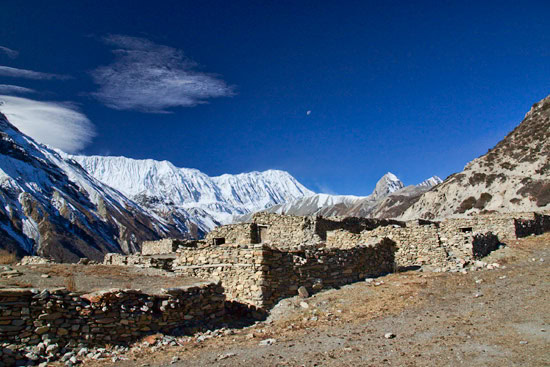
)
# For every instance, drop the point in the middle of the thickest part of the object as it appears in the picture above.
(269, 258)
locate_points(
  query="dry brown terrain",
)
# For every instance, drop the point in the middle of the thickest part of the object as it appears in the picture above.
(483, 318)
(90, 278)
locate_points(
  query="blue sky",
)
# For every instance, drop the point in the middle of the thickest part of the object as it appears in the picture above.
(416, 88)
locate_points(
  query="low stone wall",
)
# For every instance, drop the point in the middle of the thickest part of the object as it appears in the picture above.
(117, 316)
(319, 268)
(149, 261)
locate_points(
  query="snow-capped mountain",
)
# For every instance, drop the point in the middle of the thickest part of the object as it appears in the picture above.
(386, 185)
(183, 195)
(52, 207)
(373, 205)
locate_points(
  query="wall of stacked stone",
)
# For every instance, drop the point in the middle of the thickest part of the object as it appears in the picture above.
(351, 224)
(164, 246)
(417, 244)
(110, 317)
(317, 268)
(238, 268)
(236, 234)
(289, 230)
(293, 230)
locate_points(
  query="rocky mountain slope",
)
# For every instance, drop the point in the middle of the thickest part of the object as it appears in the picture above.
(52, 207)
(513, 176)
(389, 198)
(183, 196)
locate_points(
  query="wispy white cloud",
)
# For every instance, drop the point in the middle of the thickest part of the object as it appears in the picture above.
(15, 89)
(12, 54)
(153, 78)
(60, 125)
(28, 74)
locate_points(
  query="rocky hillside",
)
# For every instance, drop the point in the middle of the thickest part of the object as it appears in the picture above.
(513, 176)
(389, 198)
(50, 206)
(183, 195)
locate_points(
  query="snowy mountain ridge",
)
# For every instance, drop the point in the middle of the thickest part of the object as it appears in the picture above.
(49, 205)
(189, 195)
(349, 205)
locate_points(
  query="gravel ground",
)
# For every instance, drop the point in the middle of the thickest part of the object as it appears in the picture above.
(483, 318)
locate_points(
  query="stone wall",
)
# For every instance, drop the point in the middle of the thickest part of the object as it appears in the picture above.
(168, 246)
(148, 261)
(249, 273)
(164, 246)
(29, 317)
(317, 268)
(235, 234)
(287, 230)
(291, 231)
(238, 267)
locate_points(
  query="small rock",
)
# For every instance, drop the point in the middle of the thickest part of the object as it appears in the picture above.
(269, 341)
(477, 295)
(523, 342)
(304, 305)
(369, 280)
(250, 336)
(175, 359)
(389, 335)
(45, 276)
(225, 356)
(302, 292)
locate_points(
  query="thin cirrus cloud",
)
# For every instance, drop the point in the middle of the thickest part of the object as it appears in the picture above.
(12, 54)
(15, 89)
(153, 78)
(29, 74)
(60, 125)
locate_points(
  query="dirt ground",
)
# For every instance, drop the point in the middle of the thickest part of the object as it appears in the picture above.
(90, 278)
(483, 318)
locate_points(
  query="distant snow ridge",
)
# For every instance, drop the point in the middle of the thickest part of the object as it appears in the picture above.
(430, 182)
(188, 195)
(379, 203)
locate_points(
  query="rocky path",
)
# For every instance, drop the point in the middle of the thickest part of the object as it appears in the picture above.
(484, 318)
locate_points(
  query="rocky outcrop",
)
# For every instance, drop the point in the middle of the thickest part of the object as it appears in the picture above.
(514, 176)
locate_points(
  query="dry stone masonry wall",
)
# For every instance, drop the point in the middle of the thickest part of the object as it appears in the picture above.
(29, 317)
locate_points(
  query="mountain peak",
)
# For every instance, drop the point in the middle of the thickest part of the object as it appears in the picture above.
(430, 182)
(386, 185)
